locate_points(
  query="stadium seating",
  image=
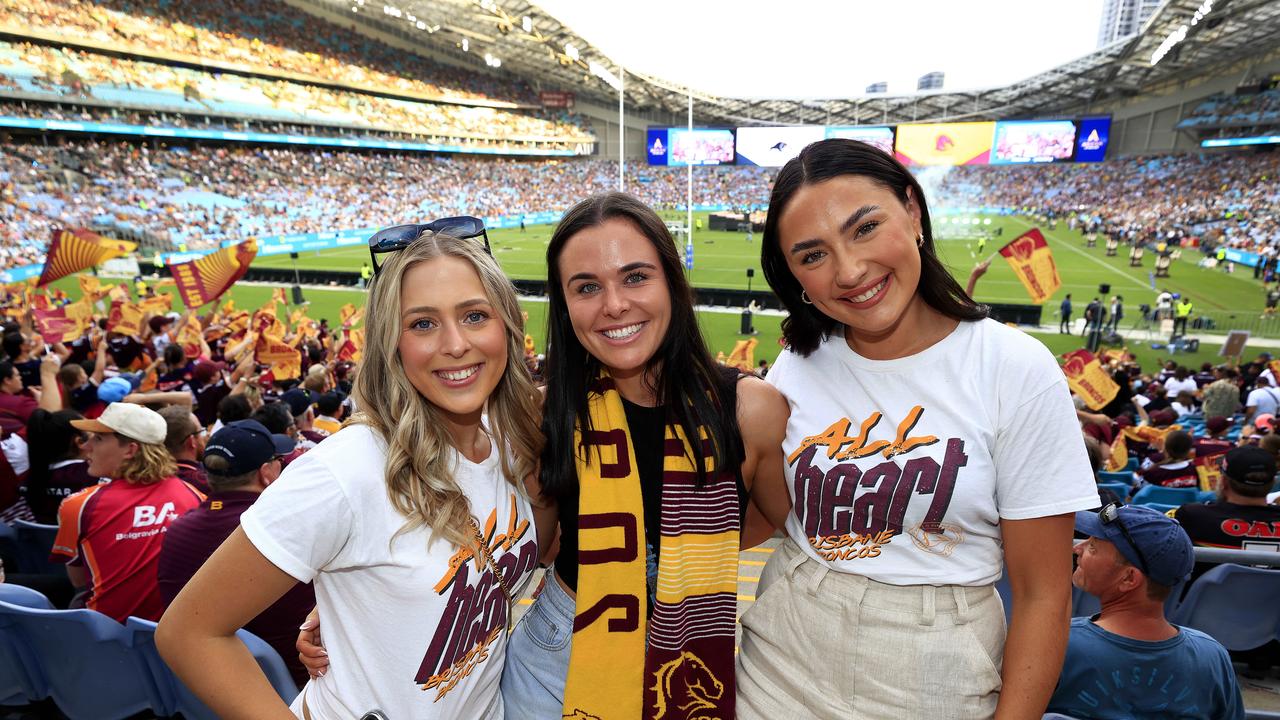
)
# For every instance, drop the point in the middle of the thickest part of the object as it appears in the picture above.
(1212, 605)
(86, 659)
(1123, 476)
(34, 541)
(41, 72)
(1120, 489)
(177, 698)
(20, 680)
(1155, 494)
(24, 596)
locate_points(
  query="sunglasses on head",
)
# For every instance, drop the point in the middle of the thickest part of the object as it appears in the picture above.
(1111, 515)
(400, 237)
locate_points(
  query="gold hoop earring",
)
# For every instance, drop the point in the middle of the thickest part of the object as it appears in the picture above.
(804, 298)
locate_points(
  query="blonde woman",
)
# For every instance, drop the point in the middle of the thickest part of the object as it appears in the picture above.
(413, 522)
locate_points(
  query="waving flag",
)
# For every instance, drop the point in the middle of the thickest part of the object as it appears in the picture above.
(283, 358)
(1032, 262)
(350, 315)
(205, 279)
(55, 325)
(124, 318)
(1088, 380)
(71, 251)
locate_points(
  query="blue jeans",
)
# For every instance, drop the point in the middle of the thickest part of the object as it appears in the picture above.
(537, 662)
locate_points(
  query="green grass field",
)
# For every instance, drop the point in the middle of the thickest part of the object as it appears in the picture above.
(721, 259)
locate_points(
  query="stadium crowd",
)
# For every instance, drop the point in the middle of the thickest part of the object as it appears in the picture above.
(264, 36)
(65, 73)
(1211, 199)
(255, 191)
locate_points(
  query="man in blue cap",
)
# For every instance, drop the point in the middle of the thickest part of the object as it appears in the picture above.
(241, 459)
(1128, 661)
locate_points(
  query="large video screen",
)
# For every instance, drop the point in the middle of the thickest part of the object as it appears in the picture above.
(680, 146)
(1036, 141)
(1092, 139)
(774, 146)
(945, 143)
(877, 136)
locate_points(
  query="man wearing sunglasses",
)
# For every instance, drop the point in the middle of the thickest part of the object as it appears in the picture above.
(1128, 661)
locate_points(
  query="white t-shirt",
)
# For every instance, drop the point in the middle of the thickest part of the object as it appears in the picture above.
(994, 437)
(1266, 399)
(1175, 386)
(405, 634)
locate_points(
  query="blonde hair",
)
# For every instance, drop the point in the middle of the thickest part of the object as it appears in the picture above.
(151, 464)
(419, 472)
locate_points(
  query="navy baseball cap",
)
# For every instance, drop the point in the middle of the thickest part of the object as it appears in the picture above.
(247, 445)
(299, 400)
(1154, 540)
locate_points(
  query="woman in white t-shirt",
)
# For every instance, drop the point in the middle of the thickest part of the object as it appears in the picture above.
(413, 522)
(928, 449)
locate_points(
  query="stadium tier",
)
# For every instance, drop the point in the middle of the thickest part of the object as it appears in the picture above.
(268, 37)
(37, 72)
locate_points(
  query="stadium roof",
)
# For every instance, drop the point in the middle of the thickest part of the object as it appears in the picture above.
(552, 56)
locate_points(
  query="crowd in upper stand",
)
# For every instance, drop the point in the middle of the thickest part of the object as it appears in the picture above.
(63, 73)
(263, 34)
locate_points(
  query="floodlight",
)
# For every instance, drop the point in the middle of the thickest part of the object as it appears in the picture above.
(421, 25)
(527, 23)
(605, 74)
(571, 51)
(466, 45)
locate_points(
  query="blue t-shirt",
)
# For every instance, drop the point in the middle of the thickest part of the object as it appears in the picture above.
(1108, 676)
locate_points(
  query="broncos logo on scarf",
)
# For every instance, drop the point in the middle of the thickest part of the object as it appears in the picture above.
(698, 691)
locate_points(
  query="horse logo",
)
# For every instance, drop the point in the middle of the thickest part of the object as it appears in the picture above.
(580, 715)
(1022, 248)
(1074, 367)
(939, 540)
(701, 690)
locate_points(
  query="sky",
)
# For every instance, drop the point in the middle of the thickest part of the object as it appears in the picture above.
(816, 49)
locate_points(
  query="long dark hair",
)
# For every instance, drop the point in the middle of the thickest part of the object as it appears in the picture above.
(806, 325)
(51, 439)
(688, 384)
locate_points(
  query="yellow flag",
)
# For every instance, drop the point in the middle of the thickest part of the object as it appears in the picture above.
(350, 315)
(1119, 455)
(158, 304)
(1088, 380)
(1032, 262)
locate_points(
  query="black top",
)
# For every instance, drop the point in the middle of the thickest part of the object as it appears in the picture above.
(647, 427)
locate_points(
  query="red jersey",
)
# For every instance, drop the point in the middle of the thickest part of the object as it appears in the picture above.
(116, 531)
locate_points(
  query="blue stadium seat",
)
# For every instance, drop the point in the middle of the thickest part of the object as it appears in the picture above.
(20, 679)
(24, 596)
(1205, 496)
(177, 698)
(34, 542)
(86, 659)
(1120, 489)
(1159, 507)
(1124, 476)
(1213, 606)
(1132, 464)
(1164, 495)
